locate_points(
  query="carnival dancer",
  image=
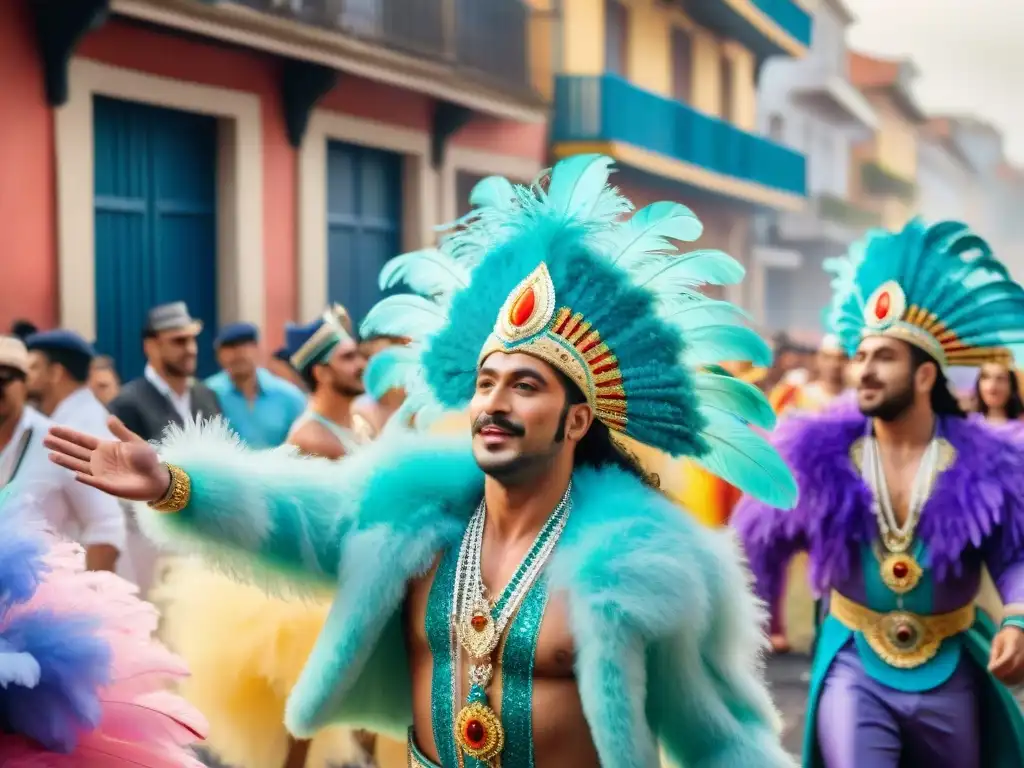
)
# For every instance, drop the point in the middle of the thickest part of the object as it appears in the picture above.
(820, 392)
(82, 682)
(623, 623)
(327, 357)
(902, 501)
(246, 648)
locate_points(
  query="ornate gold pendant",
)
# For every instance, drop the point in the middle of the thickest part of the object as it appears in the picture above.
(894, 542)
(479, 636)
(902, 640)
(479, 733)
(900, 572)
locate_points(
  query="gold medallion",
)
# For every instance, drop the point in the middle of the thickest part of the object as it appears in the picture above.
(900, 572)
(479, 733)
(478, 635)
(902, 640)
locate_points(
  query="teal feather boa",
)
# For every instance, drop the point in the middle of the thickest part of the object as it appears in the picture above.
(667, 632)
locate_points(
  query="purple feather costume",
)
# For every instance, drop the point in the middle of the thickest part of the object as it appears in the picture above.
(863, 712)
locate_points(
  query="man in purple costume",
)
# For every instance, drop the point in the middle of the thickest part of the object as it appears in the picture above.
(903, 501)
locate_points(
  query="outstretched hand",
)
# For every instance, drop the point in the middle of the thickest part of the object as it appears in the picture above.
(128, 467)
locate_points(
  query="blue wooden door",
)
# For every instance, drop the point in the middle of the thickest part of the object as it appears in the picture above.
(364, 222)
(156, 223)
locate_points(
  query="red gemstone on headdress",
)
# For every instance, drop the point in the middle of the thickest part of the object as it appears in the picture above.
(882, 305)
(475, 733)
(904, 633)
(523, 308)
(900, 570)
(478, 622)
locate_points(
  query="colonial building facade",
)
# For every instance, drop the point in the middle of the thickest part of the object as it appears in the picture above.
(256, 158)
(669, 90)
(811, 105)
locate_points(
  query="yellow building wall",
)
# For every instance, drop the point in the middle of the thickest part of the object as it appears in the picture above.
(895, 140)
(896, 213)
(707, 82)
(894, 147)
(649, 55)
(543, 46)
(744, 90)
(583, 37)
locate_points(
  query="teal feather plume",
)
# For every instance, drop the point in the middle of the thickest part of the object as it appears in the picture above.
(721, 343)
(494, 192)
(429, 272)
(732, 395)
(746, 460)
(687, 272)
(625, 276)
(686, 315)
(404, 314)
(391, 368)
(580, 190)
(648, 233)
(945, 270)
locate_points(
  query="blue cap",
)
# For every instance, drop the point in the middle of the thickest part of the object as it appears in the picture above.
(312, 343)
(237, 333)
(62, 341)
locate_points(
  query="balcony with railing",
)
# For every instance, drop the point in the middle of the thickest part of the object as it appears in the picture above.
(766, 27)
(607, 109)
(879, 181)
(828, 220)
(487, 41)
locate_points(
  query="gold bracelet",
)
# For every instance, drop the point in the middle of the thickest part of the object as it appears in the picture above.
(178, 494)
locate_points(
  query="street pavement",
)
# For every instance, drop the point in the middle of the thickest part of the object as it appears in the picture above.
(788, 676)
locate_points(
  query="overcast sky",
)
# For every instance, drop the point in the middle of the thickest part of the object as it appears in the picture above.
(970, 54)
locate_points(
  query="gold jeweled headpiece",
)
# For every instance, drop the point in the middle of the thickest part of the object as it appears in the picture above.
(529, 323)
(937, 287)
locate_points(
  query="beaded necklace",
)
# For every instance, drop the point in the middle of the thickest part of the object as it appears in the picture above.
(479, 624)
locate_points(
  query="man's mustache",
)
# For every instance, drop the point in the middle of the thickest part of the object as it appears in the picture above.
(870, 381)
(499, 421)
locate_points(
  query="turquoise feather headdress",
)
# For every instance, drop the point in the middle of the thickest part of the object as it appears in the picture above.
(555, 270)
(938, 287)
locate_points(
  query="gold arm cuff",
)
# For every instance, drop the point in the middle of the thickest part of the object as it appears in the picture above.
(178, 494)
(901, 639)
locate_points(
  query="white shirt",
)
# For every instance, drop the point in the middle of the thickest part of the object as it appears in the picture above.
(182, 403)
(82, 411)
(73, 510)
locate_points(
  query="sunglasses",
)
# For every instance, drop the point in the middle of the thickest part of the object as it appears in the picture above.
(9, 376)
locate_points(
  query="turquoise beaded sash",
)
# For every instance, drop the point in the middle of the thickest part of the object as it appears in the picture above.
(517, 658)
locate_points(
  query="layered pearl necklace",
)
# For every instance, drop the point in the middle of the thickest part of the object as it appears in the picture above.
(480, 624)
(895, 537)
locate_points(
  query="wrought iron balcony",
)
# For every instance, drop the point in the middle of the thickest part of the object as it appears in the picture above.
(607, 108)
(485, 37)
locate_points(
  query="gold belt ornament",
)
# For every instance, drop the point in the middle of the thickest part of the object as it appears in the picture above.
(901, 639)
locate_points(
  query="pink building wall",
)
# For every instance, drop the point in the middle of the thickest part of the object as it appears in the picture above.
(28, 248)
(28, 256)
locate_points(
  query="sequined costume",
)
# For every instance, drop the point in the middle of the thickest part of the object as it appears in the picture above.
(666, 633)
(900, 663)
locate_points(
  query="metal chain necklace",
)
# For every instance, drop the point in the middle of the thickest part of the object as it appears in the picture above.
(898, 538)
(480, 624)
